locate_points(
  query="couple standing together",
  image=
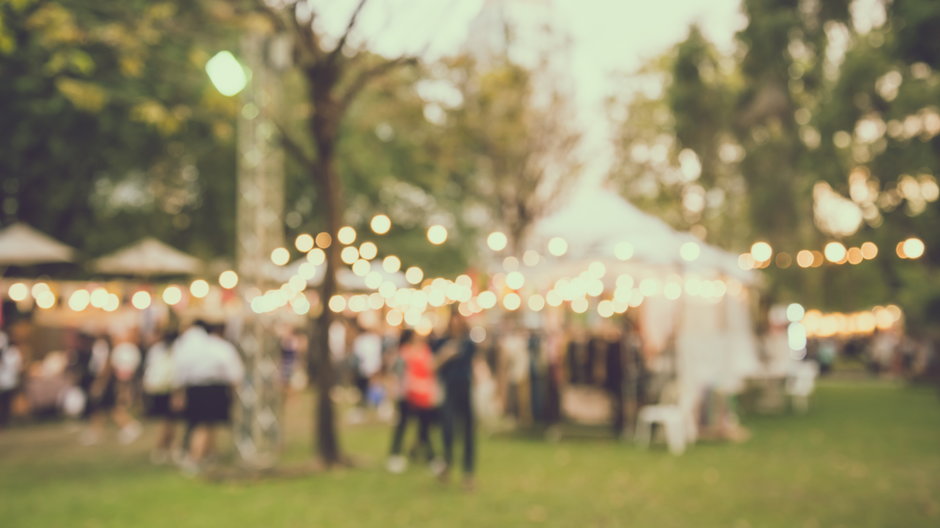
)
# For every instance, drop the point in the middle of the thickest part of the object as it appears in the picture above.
(435, 378)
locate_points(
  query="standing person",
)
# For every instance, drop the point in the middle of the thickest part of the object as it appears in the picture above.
(417, 396)
(11, 365)
(455, 357)
(103, 393)
(158, 388)
(367, 352)
(125, 361)
(207, 367)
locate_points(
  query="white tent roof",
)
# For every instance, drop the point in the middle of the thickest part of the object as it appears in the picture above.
(594, 222)
(21, 245)
(148, 257)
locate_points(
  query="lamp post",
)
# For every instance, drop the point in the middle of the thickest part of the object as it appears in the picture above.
(259, 208)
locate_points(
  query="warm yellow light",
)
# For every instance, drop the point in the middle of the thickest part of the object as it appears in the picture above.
(228, 279)
(112, 303)
(346, 235)
(99, 297)
(623, 250)
(316, 256)
(141, 300)
(280, 256)
(324, 240)
(912, 248)
(818, 259)
(437, 234)
(486, 300)
(783, 260)
(854, 255)
(531, 257)
(172, 295)
(804, 258)
(536, 303)
(605, 308)
(79, 300)
(557, 246)
(380, 224)
(300, 305)
(349, 254)
(368, 250)
(761, 251)
(497, 241)
(869, 250)
(515, 280)
(414, 275)
(18, 291)
(512, 302)
(745, 261)
(304, 242)
(361, 267)
(391, 264)
(579, 305)
(835, 252)
(199, 288)
(690, 251)
(394, 317)
(45, 299)
(38, 289)
(337, 303)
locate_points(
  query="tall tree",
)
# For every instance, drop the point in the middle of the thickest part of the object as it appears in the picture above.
(335, 74)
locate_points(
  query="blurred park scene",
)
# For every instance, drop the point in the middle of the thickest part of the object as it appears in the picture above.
(470, 262)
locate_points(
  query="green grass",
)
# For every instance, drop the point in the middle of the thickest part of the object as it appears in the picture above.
(866, 454)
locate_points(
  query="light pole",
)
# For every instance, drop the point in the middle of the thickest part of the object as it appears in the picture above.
(259, 229)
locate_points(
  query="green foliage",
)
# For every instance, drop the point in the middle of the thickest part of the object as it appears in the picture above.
(809, 99)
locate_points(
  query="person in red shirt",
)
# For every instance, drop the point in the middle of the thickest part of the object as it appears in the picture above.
(418, 396)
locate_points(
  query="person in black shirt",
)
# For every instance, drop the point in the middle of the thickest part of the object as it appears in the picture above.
(454, 355)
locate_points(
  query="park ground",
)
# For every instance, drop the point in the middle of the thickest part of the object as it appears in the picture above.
(866, 454)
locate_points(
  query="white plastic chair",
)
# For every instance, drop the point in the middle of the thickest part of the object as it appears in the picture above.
(800, 384)
(677, 420)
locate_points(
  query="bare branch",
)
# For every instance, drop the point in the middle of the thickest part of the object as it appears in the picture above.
(349, 28)
(367, 75)
(293, 147)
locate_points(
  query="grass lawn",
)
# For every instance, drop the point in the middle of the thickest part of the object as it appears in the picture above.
(865, 454)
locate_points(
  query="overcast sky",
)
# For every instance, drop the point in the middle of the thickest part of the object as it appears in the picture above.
(607, 36)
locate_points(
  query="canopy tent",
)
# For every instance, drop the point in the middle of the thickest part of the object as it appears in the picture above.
(21, 245)
(594, 222)
(708, 339)
(148, 257)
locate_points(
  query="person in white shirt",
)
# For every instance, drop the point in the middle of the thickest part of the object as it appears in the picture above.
(158, 388)
(367, 350)
(207, 368)
(11, 365)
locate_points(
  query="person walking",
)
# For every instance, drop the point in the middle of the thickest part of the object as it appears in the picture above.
(455, 355)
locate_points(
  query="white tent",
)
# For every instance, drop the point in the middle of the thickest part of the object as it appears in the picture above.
(21, 245)
(148, 257)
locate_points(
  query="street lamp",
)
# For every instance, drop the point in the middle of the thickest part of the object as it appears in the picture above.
(259, 208)
(227, 74)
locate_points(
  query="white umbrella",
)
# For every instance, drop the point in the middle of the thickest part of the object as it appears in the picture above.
(148, 257)
(21, 245)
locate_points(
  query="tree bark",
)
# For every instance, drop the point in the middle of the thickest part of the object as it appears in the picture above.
(324, 126)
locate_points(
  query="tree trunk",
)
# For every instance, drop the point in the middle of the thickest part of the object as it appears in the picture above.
(325, 129)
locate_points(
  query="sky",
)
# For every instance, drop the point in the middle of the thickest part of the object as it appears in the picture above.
(607, 36)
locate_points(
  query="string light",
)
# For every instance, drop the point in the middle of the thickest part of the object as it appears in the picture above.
(304, 242)
(280, 256)
(346, 235)
(497, 241)
(437, 234)
(228, 279)
(380, 224)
